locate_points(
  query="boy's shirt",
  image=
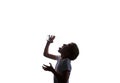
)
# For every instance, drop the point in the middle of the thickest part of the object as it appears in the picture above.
(62, 65)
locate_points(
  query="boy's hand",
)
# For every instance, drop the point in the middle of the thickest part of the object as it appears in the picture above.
(51, 38)
(48, 68)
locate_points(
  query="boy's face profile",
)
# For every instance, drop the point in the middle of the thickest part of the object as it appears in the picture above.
(64, 50)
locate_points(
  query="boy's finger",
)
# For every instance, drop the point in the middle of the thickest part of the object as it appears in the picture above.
(49, 36)
(53, 37)
(45, 65)
(50, 64)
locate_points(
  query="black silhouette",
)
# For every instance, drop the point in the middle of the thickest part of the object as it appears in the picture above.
(63, 67)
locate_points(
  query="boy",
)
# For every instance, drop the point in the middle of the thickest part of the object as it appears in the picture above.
(63, 67)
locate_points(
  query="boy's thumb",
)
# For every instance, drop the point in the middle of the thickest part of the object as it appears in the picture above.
(50, 64)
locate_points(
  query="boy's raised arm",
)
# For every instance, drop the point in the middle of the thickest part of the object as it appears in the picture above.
(46, 50)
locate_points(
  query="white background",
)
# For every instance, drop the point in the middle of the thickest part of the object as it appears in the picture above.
(92, 24)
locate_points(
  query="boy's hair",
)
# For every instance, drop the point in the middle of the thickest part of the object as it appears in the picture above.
(73, 50)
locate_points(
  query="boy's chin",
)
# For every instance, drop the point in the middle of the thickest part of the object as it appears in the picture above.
(59, 51)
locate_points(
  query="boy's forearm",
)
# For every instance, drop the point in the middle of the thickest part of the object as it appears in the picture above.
(58, 76)
(46, 48)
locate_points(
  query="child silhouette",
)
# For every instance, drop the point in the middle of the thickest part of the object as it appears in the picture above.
(63, 67)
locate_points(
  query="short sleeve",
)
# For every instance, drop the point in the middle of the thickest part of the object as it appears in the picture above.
(66, 65)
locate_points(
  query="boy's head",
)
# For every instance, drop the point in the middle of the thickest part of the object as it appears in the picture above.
(70, 51)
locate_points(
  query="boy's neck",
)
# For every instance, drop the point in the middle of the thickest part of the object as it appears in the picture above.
(63, 57)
